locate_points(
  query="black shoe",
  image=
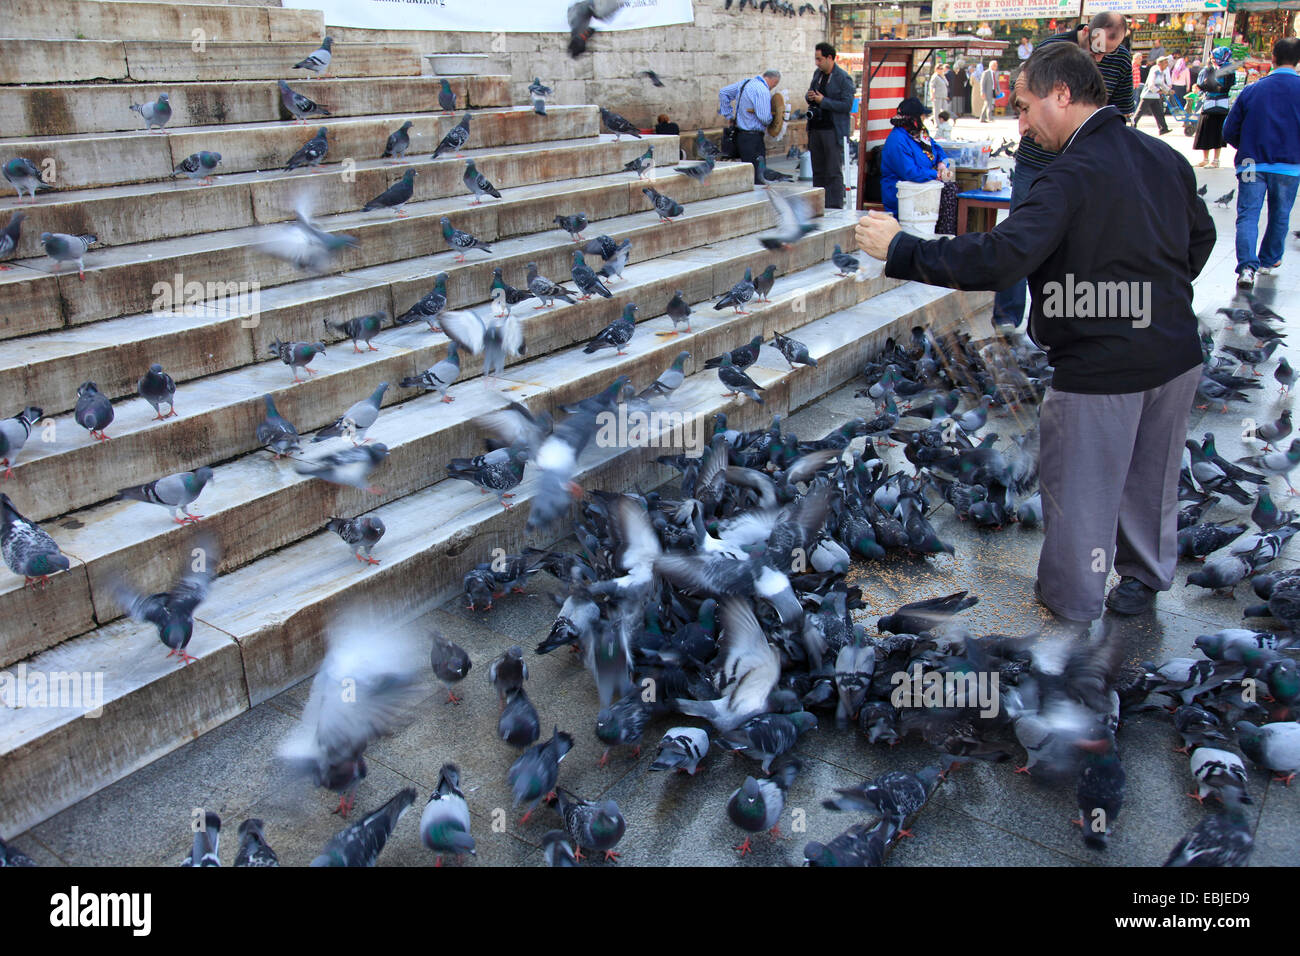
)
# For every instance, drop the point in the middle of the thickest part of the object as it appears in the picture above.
(1130, 597)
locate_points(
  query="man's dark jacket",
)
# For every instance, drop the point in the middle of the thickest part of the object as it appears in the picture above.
(838, 98)
(1115, 206)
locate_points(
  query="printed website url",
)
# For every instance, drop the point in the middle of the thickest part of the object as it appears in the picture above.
(1182, 922)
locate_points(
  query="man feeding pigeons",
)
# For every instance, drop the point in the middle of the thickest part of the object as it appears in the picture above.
(1112, 306)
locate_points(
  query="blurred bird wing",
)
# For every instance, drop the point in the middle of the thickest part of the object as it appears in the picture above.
(512, 335)
(749, 664)
(466, 328)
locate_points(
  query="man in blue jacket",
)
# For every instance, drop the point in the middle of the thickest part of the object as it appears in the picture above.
(1264, 126)
(1112, 306)
(830, 101)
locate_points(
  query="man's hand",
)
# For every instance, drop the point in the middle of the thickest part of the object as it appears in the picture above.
(815, 97)
(874, 233)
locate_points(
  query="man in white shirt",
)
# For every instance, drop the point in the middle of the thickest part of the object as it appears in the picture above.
(1152, 101)
(749, 102)
(1025, 50)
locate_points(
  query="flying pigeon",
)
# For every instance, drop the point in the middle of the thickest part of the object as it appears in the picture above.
(440, 377)
(460, 240)
(395, 196)
(27, 549)
(157, 388)
(94, 412)
(667, 207)
(362, 533)
(444, 825)
(750, 665)
(503, 339)
(617, 125)
(311, 153)
(478, 184)
(300, 107)
(172, 611)
(305, 245)
(456, 137)
(361, 843)
(64, 248)
(356, 421)
(318, 61)
(198, 166)
(792, 221)
(297, 355)
(174, 492)
(275, 433)
(361, 328)
(351, 466)
(154, 114)
(652, 76)
(23, 175)
(399, 141)
(450, 664)
(615, 335)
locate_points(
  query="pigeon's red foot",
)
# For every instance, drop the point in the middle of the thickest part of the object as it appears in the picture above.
(744, 848)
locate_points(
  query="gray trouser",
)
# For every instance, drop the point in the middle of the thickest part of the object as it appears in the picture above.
(1108, 471)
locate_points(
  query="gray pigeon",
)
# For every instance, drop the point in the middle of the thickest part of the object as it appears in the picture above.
(253, 848)
(533, 776)
(172, 611)
(450, 664)
(622, 723)
(319, 60)
(64, 248)
(156, 113)
(596, 827)
(682, 748)
(297, 355)
(12, 856)
(305, 245)
(573, 225)
(767, 736)
(544, 289)
(737, 380)
(24, 176)
(9, 237)
(615, 264)
(175, 492)
(440, 377)
(503, 339)
(446, 97)
(275, 433)
(429, 306)
(793, 220)
(460, 240)
(351, 466)
(362, 533)
(679, 311)
(698, 172)
(444, 825)
(670, 379)
(399, 141)
(27, 549)
(763, 284)
(794, 351)
(157, 388)
(198, 166)
(1221, 839)
(1274, 747)
(395, 196)
(757, 805)
(539, 94)
(738, 295)
(94, 412)
(667, 207)
(300, 107)
(361, 843)
(618, 125)
(361, 328)
(615, 335)
(508, 672)
(478, 184)
(642, 163)
(845, 264)
(356, 421)
(585, 278)
(456, 138)
(557, 847)
(311, 153)
(14, 433)
(518, 725)
(206, 841)
(499, 471)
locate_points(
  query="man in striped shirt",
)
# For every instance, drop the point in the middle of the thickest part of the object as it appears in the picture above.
(1102, 38)
(749, 102)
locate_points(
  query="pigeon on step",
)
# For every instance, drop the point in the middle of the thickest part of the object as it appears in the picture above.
(670, 379)
(679, 311)
(300, 107)
(502, 339)
(94, 412)
(356, 421)
(362, 533)
(399, 141)
(460, 240)
(14, 433)
(615, 335)
(667, 207)
(456, 138)
(297, 355)
(317, 61)
(64, 248)
(539, 94)
(440, 377)
(158, 389)
(642, 163)
(10, 236)
(446, 97)
(275, 433)
(618, 125)
(430, 306)
(585, 278)
(573, 225)
(395, 196)
(351, 466)
(25, 177)
(156, 113)
(478, 184)
(172, 611)
(362, 328)
(28, 550)
(311, 153)
(544, 290)
(198, 166)
(175, 492)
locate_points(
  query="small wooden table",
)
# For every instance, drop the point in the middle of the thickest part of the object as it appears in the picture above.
(980, 199)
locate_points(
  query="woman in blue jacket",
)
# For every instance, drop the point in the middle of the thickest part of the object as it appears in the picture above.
(910, 155)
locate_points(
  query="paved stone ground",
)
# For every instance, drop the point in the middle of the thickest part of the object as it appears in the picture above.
(984, 814)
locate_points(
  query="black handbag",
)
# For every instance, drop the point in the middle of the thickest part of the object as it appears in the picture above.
(730, 150)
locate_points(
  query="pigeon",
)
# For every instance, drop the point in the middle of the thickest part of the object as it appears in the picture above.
(706, 147)
(450, 664)
(1225, 198)
(767, 736)
(555, 450)
(557, 849)
(749, 669)
(573, 225)
(678, 310)
(351, 466)
(446, 97)
(1276, 462)
(1203, 190)
(667, 207)
(64, 248)
(305, 245)
(14, 433)
(1261, 309)
(253, 848)
(518, 724)
(362, 533)
(544, 290)
(925, 615)
(682, 748)
(505, 296)
(539, 94)
(622, 722)
(174, 492)
(698, 172)
(669, 380)
(94, 412)
(318, 61)
(585, 279)
(310, 153)
(1221, 839)
(508, 672)
(737, 381)
(430, 306)
(157, 388)
(1100, 791)
(859, 845)
(206, 841)
(763, 284)
(198, 166)
(738, 295)
(618, 125)
(1285, 375)
(361, 843)
(595, 827)
(9, 238)
(157, 113)
(356, 421)
(399, 141)
(300, 107)
(503, 339)
(742, 357)
(1273, 432)
(615, 264)
(757, 805)
(28, 550)
(642, 163)
(367, 687)
(615, 335)
(478, 184)
(25, 177)
(395, 196)
(440, 377)
(362, 328)
(1274, 747)
(460, 240)
(172, 611)
(771, 175)
(456, 138)
(297, 355)
(845, 265)
(1217, 771)
(444, 825)
(652, 76)
(794, 351)
(275, 433)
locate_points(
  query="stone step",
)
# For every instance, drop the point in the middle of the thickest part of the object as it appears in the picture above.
(129, 279)
(83, 20)
(225, 407)
(106, 159)
(260, 630)
(141, 541)
(161, 61)
(64, 110)
(141, 212)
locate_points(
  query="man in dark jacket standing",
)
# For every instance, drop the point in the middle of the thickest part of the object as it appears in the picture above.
(1112, 305)
(830, 101)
